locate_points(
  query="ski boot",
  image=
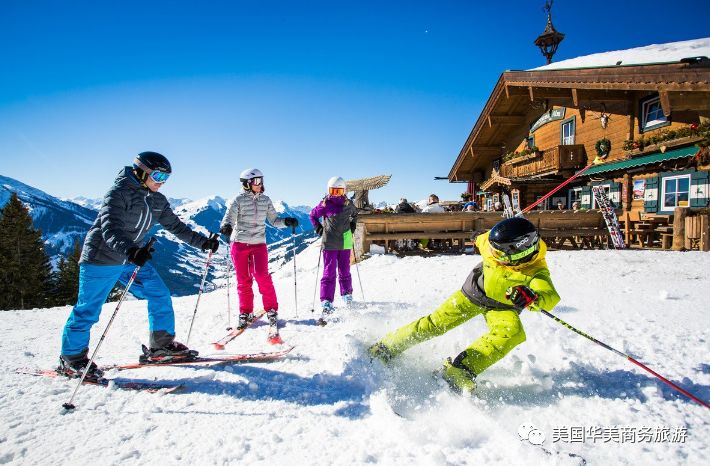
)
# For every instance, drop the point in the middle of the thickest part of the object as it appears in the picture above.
(348, 299)
(169, 353)
(274, 337)
(74, 369)
(381, 352)
(328, 309)
(245, 320)
(459, 377)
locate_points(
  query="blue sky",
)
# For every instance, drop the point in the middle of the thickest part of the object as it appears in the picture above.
(303, 90)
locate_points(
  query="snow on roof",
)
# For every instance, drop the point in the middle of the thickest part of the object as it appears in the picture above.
(657, 53)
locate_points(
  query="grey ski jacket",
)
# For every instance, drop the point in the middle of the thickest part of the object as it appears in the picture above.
(247, 213)
(128, 212)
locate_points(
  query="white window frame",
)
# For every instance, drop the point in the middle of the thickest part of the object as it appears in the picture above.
(568, 140)
(578, 193)
(658, 121)
(662, 200)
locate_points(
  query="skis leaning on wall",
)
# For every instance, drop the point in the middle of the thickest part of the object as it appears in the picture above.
(612, 223)
(507, 207)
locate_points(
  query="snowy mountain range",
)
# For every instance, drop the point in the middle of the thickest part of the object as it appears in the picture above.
(62, 221)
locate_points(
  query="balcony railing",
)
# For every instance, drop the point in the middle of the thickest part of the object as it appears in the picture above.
(552, 160)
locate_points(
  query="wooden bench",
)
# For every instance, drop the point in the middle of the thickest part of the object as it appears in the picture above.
(582, 229)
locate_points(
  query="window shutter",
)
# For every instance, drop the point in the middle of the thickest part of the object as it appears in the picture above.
(615, 194)
(650, 196)
(699, 189)
(586, 198)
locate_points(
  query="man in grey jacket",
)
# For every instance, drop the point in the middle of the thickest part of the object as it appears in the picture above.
(112, 249)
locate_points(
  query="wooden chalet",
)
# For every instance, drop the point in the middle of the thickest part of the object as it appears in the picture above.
(647, 124)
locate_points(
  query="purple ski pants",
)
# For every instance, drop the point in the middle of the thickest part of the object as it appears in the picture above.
(339, 259)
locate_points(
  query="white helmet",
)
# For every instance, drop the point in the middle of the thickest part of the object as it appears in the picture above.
(250, 173)
(336, 182)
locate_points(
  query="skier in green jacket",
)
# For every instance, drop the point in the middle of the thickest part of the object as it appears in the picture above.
(512, 276)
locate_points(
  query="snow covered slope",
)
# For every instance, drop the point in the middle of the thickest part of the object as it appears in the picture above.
(327, 404)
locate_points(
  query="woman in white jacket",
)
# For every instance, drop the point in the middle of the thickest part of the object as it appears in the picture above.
(244, 224)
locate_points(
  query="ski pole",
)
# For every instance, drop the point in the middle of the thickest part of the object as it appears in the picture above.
(362, 291)
(199, 293)
(69, 405)
(604, 345)
(295, 284)
(560, 186)
(229, 301)
(315, 289)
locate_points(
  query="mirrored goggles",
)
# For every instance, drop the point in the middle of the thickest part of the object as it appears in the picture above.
(511, 259)
(336, 191)
(258, 181)
(159, 177)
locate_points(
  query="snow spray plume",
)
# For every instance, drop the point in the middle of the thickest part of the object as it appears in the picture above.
(68, 405)
(202, 286)
(604, 345)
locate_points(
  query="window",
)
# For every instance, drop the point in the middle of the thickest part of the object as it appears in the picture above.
(575, 195)
(531, 142)
(675, 192)
(567, 132)
(652, 116)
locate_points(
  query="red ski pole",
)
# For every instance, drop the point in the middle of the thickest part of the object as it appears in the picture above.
(642, 366)
(560, 186)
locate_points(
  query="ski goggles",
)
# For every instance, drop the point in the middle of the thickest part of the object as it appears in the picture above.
(258, 181)
(159, 177)
(512, 259)
(336, 191)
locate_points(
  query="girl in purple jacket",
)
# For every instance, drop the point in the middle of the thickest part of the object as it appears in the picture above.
(339, 219)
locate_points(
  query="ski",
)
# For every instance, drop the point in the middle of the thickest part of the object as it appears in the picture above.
(607, 211)
(219, 344)
(508, 207)
(233, 358)
(150, 387)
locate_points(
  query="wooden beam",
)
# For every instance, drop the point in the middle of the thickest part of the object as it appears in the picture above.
(476, 149)
(665, 103)
(532, 94)
(490, 123)
(507, 92)
(575, 99)
(513, 120)
(689, 100)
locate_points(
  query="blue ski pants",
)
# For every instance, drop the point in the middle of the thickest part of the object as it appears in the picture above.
(95, 284)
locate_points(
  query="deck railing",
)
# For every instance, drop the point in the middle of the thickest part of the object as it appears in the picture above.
(552, 160)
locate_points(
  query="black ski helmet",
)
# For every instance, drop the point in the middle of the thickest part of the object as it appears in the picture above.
(147, 162)
(514, 241)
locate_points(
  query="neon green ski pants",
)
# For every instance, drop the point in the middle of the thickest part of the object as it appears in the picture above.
(505, 331)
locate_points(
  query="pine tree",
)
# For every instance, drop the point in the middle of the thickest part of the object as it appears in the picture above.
(67, 282)
(25, 270)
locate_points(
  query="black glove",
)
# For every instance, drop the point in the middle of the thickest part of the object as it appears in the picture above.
(140, 256)
(353, 225)
(211, 243)
(319, 229)
(291, 222)
(521, 296)
(226, 230)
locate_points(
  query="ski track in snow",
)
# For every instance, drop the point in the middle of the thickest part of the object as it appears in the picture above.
(327, 404)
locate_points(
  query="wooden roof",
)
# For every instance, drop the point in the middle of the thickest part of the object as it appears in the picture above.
(520, 97)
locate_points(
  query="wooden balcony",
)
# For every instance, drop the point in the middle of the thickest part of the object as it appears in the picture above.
(553, 160)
